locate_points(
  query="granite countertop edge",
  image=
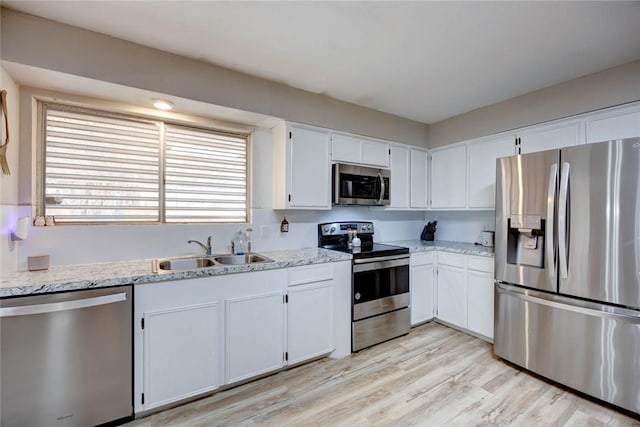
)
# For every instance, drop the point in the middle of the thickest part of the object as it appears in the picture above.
(120, 273)
(445, 246)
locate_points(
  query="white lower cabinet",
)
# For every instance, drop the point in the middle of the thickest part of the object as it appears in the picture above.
(193, 336)
(310, 321)
(465, 292)
(254, 336)
(185, 339)
(480, 302)
(422, 285)
(452, 295)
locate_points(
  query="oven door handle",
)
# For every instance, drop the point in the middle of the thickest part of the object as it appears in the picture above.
(379, 265)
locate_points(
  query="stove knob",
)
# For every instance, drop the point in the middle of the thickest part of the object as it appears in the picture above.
(357, 296)
(326, 229)
(333, 229)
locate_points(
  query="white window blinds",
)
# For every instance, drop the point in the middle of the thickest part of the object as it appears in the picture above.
(101, 168)
(205, 176)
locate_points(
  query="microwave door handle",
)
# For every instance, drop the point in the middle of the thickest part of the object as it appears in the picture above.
(562, 221)
(382, 188)
(549, 234)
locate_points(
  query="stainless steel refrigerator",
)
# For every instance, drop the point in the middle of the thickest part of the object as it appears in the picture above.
(567, 297)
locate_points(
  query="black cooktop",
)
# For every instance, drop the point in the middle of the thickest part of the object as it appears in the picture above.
(334, 236)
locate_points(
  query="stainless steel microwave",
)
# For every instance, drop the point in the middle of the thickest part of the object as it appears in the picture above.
(358, 185)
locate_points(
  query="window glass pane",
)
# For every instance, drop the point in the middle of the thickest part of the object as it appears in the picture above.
(205, 176)
(100, 168)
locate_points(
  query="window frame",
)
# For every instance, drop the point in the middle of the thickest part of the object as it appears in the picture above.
(131, 112)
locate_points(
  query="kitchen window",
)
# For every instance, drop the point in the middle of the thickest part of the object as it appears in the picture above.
(101, 167)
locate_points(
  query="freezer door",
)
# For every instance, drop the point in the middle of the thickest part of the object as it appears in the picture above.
(590, 347)
(526, 189)
(599, 242)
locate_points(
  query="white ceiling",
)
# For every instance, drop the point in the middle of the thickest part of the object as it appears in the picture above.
(426, 61)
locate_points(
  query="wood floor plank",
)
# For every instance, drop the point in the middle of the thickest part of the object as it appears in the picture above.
(434, 376)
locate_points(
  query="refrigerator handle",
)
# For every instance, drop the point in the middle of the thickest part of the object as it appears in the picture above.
(549, 232)
(562, 221)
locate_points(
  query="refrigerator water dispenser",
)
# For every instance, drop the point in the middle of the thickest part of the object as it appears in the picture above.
(525, 240)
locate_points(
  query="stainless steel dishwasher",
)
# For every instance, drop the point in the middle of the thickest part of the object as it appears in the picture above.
(66, 358)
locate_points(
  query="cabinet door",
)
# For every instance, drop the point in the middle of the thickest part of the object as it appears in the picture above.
(254, 336)
(449, 177)
(310, 321)
(615, 124)
(452, 295)
(480, 302)
(419, 179)
(345, 148)
(181, 353)
(550, 137)
(482, 169)
(310, 180)
(375, 153)
(399, 177)
(422, 293)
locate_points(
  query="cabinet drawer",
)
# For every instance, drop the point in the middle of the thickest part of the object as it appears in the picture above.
(452, 259)
(310, 274)
(480, 263)
(422, 258)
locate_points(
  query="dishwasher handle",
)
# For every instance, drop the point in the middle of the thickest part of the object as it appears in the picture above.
(52, 307)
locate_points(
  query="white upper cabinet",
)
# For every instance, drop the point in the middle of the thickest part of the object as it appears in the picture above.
(547, 137)
(409, 179)
(359, 151)
(302, 169)
(482, 168)
(419, 179)
(400, 177)
(618, 123)
(449, 177)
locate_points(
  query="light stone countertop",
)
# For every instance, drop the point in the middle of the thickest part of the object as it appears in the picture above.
(442, 245)
(118, 273)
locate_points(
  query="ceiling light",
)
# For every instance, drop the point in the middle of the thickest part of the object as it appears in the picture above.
(163, 105)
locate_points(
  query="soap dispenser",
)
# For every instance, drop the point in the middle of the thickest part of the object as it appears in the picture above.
(237, 244)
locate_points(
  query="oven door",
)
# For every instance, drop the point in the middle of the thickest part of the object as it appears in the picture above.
(356, 185)
(380, 285)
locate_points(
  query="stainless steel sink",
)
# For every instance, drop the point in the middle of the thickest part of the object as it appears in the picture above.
(241, 259)
(193, 263)
(184, 263)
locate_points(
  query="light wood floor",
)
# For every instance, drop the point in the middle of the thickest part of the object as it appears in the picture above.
(434, 376)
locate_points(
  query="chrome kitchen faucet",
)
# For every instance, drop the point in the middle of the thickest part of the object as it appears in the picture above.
(206, 248)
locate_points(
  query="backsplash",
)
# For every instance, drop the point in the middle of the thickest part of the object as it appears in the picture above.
(462, 226)
(87, 244)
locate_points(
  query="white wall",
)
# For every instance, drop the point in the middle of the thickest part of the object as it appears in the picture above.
(9, 183)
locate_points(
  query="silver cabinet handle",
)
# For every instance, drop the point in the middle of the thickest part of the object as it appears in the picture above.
(562, 221)
(26, 310)
(382, 188)
(549, 234)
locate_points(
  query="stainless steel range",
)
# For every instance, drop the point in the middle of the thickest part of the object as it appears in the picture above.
(379, 286)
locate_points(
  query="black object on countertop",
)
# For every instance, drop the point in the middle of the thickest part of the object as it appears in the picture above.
(429, 231)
